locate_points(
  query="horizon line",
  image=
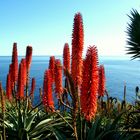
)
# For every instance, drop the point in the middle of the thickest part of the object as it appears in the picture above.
(62, 55)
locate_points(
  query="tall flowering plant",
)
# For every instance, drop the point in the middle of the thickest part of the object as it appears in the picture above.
(47, 92)
(58, 78)
(66, 57)
(66, 67)
(89, 87)
(77, 49)
(52, 67)
(21, 79)
(32, 87)
(15, 63)
(101, 90)
(28, 57)
(12, 76)
(77, 63)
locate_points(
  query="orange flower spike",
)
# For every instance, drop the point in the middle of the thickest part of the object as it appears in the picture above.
(92, 107)
(8, 87)
(24, 74)
(28, 57)
(66, 57)
(44, 84)
(52, 67)
(58, 78)
(47, 92)
(20, 88)
(77, 49)
(32, 87)
(84, 87)
(89, 87)
(101, 90)
(15, 63)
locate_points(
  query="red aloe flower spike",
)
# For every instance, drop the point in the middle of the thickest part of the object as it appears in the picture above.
(52, 67)
(8, 87)
(89, 87)
(101, 90)
(66, 57)
(47, 92)
(84, 87)
(21, 80)
(15, 63)
(32, 87)
(77, 49)
(28, 57)
(24, 74)
(58, 78)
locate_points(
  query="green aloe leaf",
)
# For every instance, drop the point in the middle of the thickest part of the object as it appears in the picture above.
(29, 121)
(43, 122)
(37, 138)
(58, 134)
(92, 132)
(12, 119)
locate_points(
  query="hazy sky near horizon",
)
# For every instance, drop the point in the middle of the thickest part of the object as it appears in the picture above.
(47, 25)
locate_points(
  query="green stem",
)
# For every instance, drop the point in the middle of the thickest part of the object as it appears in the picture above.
(125, 96)
(80, 116)
(108, 102)
(36, 107)
(61, 101)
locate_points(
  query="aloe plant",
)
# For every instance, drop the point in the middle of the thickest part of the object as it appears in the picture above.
(105, 128)
(23, 123)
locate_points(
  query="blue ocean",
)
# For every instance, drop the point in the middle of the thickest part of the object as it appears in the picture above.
(119, 71)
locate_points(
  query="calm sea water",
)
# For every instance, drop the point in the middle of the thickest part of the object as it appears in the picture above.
(118, 72)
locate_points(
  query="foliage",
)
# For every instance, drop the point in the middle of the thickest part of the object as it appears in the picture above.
(133, 32)
(23, 123)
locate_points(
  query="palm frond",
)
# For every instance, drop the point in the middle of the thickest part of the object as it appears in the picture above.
(133, 32)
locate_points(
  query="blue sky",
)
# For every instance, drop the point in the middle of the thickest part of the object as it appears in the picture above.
(47, 25)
